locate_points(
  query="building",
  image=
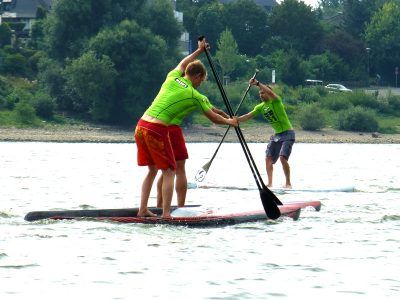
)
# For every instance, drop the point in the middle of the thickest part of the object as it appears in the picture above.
(21, 11)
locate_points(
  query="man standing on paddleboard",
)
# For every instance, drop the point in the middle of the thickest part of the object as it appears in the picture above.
(158, 135)
(281, 142)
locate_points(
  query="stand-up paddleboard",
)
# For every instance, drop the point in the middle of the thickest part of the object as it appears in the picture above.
(327, 189)
(192, 216)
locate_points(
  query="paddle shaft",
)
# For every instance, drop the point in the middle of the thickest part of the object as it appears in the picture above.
(206, 167)
(268, 199)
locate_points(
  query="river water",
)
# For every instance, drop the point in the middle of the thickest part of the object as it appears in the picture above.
(348, 250)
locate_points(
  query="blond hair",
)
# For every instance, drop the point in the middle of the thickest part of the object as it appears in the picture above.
(196, 68)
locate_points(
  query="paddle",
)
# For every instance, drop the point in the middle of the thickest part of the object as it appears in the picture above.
(268, 199)
(201, 174)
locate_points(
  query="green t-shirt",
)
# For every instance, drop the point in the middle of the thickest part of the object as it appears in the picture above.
(274, 112)
(176, 99)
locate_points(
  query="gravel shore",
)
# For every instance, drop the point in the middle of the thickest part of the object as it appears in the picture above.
(213, 133)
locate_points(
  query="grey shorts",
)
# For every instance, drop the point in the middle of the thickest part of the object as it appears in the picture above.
(280, 144)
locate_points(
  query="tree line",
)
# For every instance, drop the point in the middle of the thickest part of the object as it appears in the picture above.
(105, 59)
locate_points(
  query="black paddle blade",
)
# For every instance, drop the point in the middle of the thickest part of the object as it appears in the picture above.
(271, 209)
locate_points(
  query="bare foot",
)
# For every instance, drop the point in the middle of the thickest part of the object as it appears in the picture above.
(287, 186)
(166, 216)
(146, 213)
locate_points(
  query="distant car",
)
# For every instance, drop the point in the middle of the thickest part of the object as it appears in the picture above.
(335, 87)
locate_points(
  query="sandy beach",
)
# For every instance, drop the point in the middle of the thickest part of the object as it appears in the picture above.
(195, 133)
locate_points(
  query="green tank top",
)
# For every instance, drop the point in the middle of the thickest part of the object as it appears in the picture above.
(274, 112)
(176, 99)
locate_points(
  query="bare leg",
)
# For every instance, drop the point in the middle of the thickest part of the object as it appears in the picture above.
(270, 168)
(181, 182)
(167, 191)
(159, 191)
(286, 170)
(146, 188)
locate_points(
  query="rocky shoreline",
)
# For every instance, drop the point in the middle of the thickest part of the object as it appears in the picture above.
(196, 133)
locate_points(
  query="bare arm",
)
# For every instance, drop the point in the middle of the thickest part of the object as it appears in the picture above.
(220, 112)
(218, 119)
(191, 57)
(265, 91)
(245, 117)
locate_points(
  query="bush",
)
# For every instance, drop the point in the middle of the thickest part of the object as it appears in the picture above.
(394, 104)
(44, 105)
(358, 119)
(311, 117)
(309, 95)
(362, 99)
(25, 112)
(335, 101)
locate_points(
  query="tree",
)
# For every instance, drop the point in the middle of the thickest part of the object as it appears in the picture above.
(382, 35)
(227, 53)
(90, 82)
(160, 19)
(72, 22)
(5, 34)
(295, 26)
(328, 67)
(290, 67)
(357, 13)
(248, 23)
(209, 22)
(141, 60)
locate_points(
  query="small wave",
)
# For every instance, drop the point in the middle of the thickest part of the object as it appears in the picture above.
(390, 218)
(2, 255)
(7, 214)
(19, 266)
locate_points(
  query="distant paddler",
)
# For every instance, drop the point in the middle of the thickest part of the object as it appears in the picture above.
(281, 142)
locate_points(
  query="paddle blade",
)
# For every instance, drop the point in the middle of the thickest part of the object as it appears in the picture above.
(271, 209)
(201, 174)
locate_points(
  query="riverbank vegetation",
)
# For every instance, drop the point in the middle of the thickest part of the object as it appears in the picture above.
(104, 63)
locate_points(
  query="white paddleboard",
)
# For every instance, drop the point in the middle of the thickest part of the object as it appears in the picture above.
(327, 189)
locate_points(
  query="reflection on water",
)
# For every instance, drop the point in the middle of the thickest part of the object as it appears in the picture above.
(350, 249)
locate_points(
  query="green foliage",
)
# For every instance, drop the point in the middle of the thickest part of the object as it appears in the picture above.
(248, 24)
(308, 95)
(357, 119)
(90, 82)
(336, 102)
(361, 99)
(16, 64)
(25, 113)
(5, 34)
(303, 35)
(327, 67)
(382, 35)
(17, 26)
(227, 53)
(289, 66)
(44, 105)
(141, 62)
(394, 104)
(311, 117)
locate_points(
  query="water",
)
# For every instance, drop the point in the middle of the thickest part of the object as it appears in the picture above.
(349, 250)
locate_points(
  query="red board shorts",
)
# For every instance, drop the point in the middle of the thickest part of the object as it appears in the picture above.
(178, 142)
(154, 146)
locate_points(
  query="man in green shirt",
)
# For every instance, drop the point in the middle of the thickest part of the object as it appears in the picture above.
(281, 143)
(176, 99)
